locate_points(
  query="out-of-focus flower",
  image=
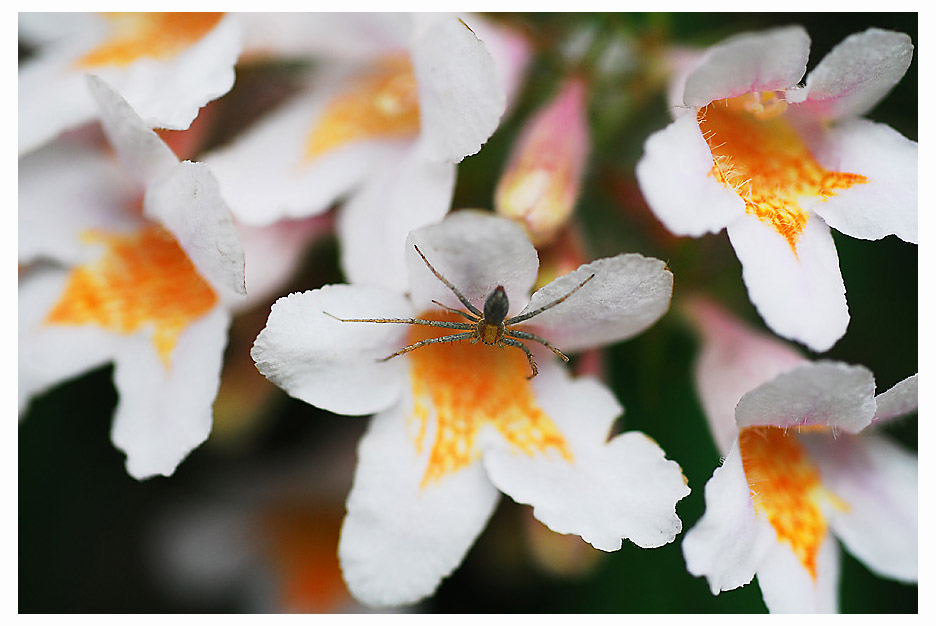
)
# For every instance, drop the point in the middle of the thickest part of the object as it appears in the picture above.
(541, 183)
(804, 466)
(458, 422)
(387, 129)
(166, 65)
(778, 164)
(147, 289)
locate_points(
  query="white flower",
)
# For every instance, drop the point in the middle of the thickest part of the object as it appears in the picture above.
(777, 165)
(147, 290)
(803, 467)
(458, 422)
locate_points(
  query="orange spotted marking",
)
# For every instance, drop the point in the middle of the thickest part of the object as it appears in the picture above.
(470, 386)
(759, 155)
(153, 35)
(382, 104)
(143, 278)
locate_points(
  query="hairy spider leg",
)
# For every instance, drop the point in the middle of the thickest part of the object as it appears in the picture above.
(519, 334)
(467, 316)
(516, 344)
(520, 318)
(426, 342)
(445, 282)
(408, 320)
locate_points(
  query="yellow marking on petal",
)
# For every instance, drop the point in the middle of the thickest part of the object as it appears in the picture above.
(382, 104)
(470, 386)
(143, 278)
(758, 154)
(785, 487)
(152, 35)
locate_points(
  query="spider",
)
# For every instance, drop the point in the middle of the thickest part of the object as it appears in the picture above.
(490, 327)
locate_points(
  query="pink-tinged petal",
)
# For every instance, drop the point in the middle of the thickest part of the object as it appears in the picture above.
(604, 491)
(165, 412)
(734, 359)
(770, 60)
(679, 64)
(900, 400)
(476, 252)
(857, 73)
(800, 295)
(627, 295)
(66, 189)
(460, 95)
(332, 364)
(188, 203)
(674, 175)
(822, 393)
(876, 512)
(400, 538)
(729, 542)
(884, 205)
(510, 50)
(407, 194)
(789, 588)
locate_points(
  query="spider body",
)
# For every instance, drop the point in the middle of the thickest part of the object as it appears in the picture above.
(491, 327)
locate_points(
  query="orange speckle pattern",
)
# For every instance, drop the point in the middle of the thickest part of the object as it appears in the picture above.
(759, 155)
(785, 487)
(149, 35)
(143, 278)
(382, 104)
(470, 386)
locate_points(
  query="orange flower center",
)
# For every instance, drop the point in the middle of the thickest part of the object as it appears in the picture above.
(759, 155)
(143, 278)
(154, 35)
(382, 104)
(470, 386)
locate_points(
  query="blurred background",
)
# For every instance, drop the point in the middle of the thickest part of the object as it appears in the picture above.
(250, 520)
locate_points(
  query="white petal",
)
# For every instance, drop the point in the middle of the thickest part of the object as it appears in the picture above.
(399, 540)
(823, 393)
(901, 399)
(611, 490)
(729, 541)
(858, 73)
(46, 28)
(627, 295)
(887, 203)
(407, 194)
(66, 189)
(877, 481)
(164, 413)
(799, 296)
(188, 203)
(734, 359)
(674, 177)
(475, 252)
(460, 96)
(789, 588)
(331, 364)
(765, 61)
(510, 50)
(50, 100)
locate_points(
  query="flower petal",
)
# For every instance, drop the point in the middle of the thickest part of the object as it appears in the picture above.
(765, 61)
(476, 252)
(373, 225)
(821, 393)
(399, 540)
(789, 588)
(901, 399)
(331, 364)
(50, 99)
(800, 296)
(330, 36)
(876, 480)
(609, 490)
(460, 95)
(164, 413)
(887, 203)
(858, 73)
(627, 295)
(698, 204)
(729, 542)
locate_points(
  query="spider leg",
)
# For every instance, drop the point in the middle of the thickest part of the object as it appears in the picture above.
(526, 316)
(426, 342)
(454, 289)
(468, 316)
(522, 335)
(516, 344)
(409, 320)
